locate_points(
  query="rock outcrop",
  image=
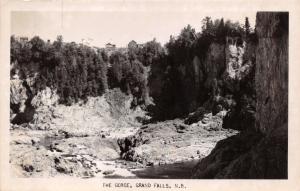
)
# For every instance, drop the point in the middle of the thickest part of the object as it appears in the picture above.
(20, 101)
(28, 107)
(231, 86)
(44, 103)
(173, 141)
(18, 95)
(260, 151)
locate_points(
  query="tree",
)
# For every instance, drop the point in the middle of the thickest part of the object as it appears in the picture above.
(101, 71)
(15, 49)
(180, 49)
(221, 30)
(247, 27)
(132, 50)
(25, 54)
(38, 49)
(233, 28)
(207, 27)
(187, 35)
(151, 52)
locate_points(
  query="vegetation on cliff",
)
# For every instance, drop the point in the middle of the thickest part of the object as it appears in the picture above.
(78, 71)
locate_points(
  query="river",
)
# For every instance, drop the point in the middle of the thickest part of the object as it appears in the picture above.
(180, 170)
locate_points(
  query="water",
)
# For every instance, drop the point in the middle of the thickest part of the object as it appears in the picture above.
(47, 141)
(181, 170)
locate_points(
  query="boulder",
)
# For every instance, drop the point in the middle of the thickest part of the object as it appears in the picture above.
(196, 116)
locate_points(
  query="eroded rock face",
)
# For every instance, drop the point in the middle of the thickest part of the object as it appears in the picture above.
(46, 97)
(21, 95)
(259, 152)
(271, 79)
(18, 95)
(239, 82)
(227, 72)
(215, 63)
(44, 103)
(204, 81)
(37, 110)
(234, 57)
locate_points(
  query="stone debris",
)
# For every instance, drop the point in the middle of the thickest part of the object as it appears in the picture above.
(166, 142)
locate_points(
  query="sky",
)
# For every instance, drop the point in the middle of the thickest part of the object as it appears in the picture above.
(117, 27)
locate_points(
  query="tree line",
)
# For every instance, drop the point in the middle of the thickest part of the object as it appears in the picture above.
(78, 71)
(75, 70)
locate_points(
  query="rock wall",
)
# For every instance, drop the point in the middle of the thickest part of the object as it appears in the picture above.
(200, 78)
(20, 101)
(18, 95)
(214, 64)
(26, 106)
(271, 79)
(229, 84)
(209, 82)
(44, 103)
(259, 152)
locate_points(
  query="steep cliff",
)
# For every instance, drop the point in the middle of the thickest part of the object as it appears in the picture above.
(227, 75)
(271, 79)
(20, 100)
(213, 80)
(261, 151)
(28, 105)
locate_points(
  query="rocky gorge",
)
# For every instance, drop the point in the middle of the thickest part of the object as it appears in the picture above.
(101, 141)
(228, 115)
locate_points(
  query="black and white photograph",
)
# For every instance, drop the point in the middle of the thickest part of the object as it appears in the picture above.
(157, 92)
(206, 99)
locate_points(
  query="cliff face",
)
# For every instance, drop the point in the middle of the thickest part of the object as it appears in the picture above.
(201, 76)
(27, 107)
(259, 152)
(20, 101)
(214, 64)
(271, 79)
(211, 81)
(18, 95)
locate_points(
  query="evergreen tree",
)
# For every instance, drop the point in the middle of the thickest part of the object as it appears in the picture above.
(207, 27)
(247, 27)
(221, 30)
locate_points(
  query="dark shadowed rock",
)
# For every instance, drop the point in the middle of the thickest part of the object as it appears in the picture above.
(266, 159)
(195, 116)
(242, 116)
(225, 152)
(271, 78)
